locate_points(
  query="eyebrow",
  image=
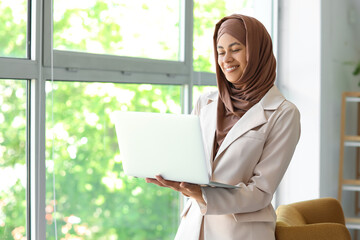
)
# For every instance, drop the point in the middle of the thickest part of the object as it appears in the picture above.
(230, 45)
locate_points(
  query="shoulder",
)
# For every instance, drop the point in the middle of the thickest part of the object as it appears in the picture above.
(208, 97)
(290, 108)
(274, 100)
(287, 105)
(286, 117)
(205, 99)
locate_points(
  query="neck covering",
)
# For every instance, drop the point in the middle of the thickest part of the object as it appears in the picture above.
(235, 99)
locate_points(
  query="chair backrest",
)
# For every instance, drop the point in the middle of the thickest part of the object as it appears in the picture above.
(289, 216)
(320, 210)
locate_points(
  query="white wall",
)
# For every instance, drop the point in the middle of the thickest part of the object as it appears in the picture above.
(299, 80)
(340, 44)
(316, 39)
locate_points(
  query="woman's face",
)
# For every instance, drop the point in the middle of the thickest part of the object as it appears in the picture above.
(231, 57)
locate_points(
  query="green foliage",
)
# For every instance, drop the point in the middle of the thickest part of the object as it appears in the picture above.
(98, 29)
(90, 185)
(206, 14)
(12, 157)
(12, 122)
(357, 69)
(202, 64)
(13, 33)
(109, 27)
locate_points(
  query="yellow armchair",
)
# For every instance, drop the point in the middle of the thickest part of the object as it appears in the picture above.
(318, 219)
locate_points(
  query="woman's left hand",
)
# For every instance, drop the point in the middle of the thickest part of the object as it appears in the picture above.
(188, 189)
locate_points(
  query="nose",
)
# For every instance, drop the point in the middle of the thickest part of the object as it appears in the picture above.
(228, 57)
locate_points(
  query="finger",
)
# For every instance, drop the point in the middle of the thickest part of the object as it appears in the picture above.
(163, 181)
(186, 195)
(148, 180)
(188, 186)
(171, 184)
(167, 182)
(154, 181)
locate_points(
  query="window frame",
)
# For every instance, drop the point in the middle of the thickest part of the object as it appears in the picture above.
(83, 60)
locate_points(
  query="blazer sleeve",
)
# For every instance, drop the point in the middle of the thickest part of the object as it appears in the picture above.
(267, 174)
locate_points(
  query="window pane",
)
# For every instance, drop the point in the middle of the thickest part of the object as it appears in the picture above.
(13, 18)
(94, 199)
(126, 28)
(206, 14)
(12, 159)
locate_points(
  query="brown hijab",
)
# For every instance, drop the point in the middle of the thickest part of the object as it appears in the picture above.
(258, 76)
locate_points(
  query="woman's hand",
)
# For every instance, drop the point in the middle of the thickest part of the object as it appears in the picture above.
(188, 189)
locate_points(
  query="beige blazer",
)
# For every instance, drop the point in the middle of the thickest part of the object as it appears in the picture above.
(254, 156)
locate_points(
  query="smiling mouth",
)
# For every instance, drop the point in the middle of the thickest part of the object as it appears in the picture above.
(230, 69)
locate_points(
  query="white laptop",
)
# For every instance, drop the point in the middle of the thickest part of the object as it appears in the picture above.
(169, 145)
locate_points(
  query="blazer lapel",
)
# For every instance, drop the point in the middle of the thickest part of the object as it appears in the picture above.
(254, 117)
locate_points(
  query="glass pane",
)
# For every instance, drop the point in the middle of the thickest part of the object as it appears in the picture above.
(13, 19)
(12, 159)
(206, 14)
(94, 199)
(198, 90)
(119, 27)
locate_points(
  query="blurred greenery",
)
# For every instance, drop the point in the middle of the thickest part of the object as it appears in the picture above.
(12, 158)
(97, 27)
(357, 71)
(214, 10)
(94, 199)
(91, 188)
(13, 26)
(206, 14)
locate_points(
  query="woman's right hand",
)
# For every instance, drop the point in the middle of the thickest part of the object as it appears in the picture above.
(187, 189)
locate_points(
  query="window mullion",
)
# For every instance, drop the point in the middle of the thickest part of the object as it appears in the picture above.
(37, 159)
(37, 126)
(187, 43)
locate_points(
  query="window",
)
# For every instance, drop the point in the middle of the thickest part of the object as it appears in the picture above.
(13, 165)
(94, 199)
(124, 28)
(13, 25)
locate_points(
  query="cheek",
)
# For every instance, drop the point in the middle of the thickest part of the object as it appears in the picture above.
(244, 60)
(244, 63)
(219, 62)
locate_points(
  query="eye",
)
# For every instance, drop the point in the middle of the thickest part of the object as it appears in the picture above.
(221, 53)
(236, 50)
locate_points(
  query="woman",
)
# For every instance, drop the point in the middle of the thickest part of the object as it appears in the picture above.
(251, 132)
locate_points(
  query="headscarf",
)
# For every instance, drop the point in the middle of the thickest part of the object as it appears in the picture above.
(235, 99)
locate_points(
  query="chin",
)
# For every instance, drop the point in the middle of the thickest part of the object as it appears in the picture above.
(231, 80)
